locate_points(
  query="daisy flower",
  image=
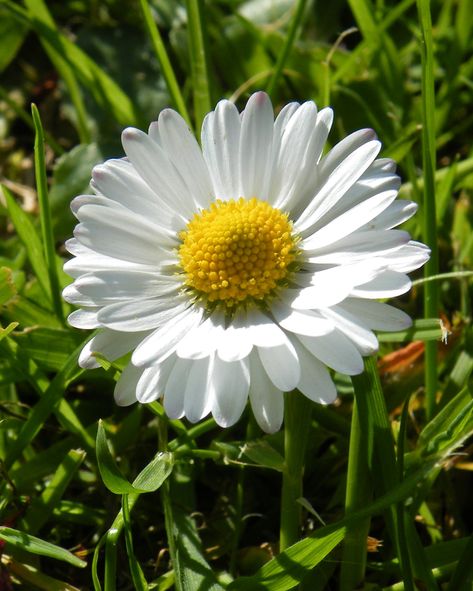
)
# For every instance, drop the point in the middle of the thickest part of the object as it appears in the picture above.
(243, 269)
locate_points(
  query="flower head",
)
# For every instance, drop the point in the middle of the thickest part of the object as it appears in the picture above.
(244, 269)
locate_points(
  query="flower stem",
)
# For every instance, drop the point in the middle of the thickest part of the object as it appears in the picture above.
(296, 429)
(358, 494)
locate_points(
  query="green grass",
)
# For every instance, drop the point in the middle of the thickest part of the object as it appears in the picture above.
(86, 501)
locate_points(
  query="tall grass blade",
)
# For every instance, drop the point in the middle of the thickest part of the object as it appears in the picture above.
(198, 61)
(431, 293)
(45, 215)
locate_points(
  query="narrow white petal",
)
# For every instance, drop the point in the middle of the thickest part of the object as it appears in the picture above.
(315, 382)
(154, 166)
(153, 381)
(359, 246)
(263, 331)
(282, 365)
(408, 258)
(307, 322)
(163, 341)
(387, 285)
(350, 221)
(110, 344)
(397, 213)
(133, 315)
(201, 341)
(83, 319)
(176, 387)
(353, 328)
(267, 402)
(117, 234)
(235, 341)
(184, 152)
(255, 146)
(125, 389)
(376, 315)
(337, 183)
(230, 385)
(198, 397)
(336, 351)
(221, 146)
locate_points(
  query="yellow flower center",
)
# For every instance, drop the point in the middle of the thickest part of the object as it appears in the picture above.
(237, 249)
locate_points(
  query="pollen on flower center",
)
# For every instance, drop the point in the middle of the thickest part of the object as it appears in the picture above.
(237, 249)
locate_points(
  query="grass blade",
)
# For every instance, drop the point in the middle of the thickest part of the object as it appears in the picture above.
(163, 59)
(198, 61)
(45, 214)
(431, 293)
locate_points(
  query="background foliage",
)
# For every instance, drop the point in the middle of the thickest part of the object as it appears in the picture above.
(79, 504)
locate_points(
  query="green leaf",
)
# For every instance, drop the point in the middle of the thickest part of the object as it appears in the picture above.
(7, 286)
(29, 236)
(263, 454)
(42, 507)
(148, 480)
(33, 545)
(12, 34)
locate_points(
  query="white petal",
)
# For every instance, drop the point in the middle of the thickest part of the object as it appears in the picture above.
(397, 213)
(176, 387)
(221, 145)
(235, 342)
(255, 146)
(353, 328)
(110, 344)
(125, 389)
(153, 380)
(154, 166)
(408, 258)
(198, 398)
(118, 234)
(315, 382)
(83, 319)
(360, 245)
(184, 152)
(388, 285)
(302, 144)
(331, 286)
(162, 342)
(350, 221)
(133, 315)
(336, 351)
(267, 401)
(202, 340)
(263, 331)
(377, 315)
(282, 365)
(230, 385)
(308, 323)
(337, 183)
(109, 286)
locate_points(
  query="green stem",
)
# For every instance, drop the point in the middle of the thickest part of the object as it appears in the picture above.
(45, 215)
(198, 61)
(164, 62)
(296, 429)
(431, 292)
(358, 494)
(286, 49)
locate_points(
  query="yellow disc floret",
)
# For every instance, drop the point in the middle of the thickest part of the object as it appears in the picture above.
(237, 249)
